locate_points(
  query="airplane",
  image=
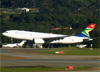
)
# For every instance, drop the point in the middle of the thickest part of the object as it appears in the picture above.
(40, 38)
(37, 37)
(14, 45)
(81, 46)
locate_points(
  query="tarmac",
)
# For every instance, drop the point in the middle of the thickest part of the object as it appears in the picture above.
(29, 58)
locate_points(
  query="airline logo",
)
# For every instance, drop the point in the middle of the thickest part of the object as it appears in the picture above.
(91, 26)
(88, 29)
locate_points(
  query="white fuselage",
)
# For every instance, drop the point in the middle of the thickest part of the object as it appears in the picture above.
(38, 37)
(11, 45)
(80, 46)
(26, 35)
(70, 40)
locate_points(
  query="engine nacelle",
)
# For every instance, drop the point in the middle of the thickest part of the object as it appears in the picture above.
(39, 41)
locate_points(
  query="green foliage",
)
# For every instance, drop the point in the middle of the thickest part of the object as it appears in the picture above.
(52, 13)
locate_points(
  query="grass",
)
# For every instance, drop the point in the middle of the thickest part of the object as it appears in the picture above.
(39, 69)
(72, 51)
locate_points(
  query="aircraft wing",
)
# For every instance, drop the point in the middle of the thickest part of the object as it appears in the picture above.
(48, 40)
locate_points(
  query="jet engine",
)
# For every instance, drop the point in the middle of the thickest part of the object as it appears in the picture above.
(39, 43)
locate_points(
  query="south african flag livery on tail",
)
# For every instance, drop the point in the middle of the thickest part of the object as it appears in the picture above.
(85, 33)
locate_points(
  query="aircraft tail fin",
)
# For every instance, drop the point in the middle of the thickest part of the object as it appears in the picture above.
(85, 33)
(22, 42)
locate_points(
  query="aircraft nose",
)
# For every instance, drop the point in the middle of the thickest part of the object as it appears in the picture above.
(4, 34)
